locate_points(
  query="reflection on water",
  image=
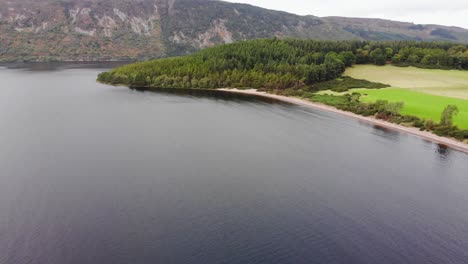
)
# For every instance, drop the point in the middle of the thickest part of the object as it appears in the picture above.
(91, 173)
(443, 151)
(214, 94)
(386, 132)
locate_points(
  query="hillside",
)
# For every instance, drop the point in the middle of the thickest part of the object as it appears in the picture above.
(142, 29)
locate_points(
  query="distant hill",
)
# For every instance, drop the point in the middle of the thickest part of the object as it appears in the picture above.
(143, 29)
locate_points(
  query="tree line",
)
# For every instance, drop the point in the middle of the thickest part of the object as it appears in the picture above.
(275, 64)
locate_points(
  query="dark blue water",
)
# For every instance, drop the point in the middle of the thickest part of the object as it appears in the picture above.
(107, 175)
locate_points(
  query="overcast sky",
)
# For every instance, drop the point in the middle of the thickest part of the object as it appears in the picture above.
(448, 12)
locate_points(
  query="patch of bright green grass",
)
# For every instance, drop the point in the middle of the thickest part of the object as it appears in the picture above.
(419, 104)
(328, 99)
(451, 83)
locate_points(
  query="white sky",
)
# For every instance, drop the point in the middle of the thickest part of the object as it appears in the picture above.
(448, 12)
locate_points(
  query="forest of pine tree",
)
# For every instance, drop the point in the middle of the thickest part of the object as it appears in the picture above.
(274, 64)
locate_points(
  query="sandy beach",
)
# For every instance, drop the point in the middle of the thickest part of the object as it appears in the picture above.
(454, 144)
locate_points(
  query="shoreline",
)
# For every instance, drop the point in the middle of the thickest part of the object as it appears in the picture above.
(454, 144)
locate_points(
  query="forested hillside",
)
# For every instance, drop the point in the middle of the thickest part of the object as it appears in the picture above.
(281, 64)
(145, 29)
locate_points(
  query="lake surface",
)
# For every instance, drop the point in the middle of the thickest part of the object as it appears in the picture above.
(107, 175)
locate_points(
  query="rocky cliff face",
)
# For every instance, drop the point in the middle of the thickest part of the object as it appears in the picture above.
(142, 29)
(80, 29)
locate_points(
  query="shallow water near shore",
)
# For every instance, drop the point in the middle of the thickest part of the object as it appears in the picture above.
(91, 173)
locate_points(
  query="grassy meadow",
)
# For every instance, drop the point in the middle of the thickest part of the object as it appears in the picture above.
(451, 83)
(422, 105)
(425, 92)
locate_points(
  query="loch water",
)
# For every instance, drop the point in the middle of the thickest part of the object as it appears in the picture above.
(95, 174)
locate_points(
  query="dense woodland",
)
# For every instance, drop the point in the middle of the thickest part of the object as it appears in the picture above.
(274, 64)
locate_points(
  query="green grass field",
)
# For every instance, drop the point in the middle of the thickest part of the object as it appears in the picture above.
(423, 105)
(425, 92)
(451, 83)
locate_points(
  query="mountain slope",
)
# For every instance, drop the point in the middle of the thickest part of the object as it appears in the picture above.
(380, 29)
(142, 29)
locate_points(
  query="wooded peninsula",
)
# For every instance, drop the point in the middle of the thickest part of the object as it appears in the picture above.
(303, 68)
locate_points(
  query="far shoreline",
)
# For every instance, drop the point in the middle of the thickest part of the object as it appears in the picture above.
(451, 143)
